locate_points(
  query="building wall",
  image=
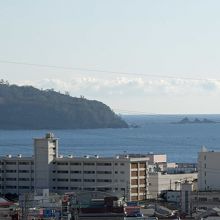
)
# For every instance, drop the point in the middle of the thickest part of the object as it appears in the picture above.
(45, 151)
(139, 180)
(205, 200)
(125, 177)
(157, 158)
(208, 171)
(159, 182)
(91, 174)
(16, 174)
(173, 196)
(186, 191)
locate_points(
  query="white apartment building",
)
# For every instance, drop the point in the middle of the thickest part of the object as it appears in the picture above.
(123, 175)
(208, 170)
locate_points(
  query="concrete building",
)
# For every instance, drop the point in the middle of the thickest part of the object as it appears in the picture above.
(198, 202)
(123, 175)
(45, 152)
(16, 174)
(205, 196)
(204, 200)
(208, 170)
(159, 182)
(186, 194)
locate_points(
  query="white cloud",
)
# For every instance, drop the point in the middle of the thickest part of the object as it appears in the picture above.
(124, 86)
(141, 94)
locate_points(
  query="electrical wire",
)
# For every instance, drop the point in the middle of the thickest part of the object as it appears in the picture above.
(102, 71)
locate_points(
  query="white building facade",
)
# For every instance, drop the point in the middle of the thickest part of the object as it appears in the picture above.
(123, 175)
(206, 194)
(159, 182)
(208, 170)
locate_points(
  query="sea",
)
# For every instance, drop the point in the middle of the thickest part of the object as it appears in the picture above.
(148, 134)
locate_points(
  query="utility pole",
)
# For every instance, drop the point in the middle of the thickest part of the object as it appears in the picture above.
(25, 207)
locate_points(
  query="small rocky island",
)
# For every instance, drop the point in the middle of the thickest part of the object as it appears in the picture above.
(186, 120)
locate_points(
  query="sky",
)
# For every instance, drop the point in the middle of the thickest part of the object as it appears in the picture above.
(142, 56)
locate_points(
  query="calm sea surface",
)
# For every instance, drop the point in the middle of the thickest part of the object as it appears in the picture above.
(181, 142)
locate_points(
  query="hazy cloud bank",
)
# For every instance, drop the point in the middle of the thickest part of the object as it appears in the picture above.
(128, 86)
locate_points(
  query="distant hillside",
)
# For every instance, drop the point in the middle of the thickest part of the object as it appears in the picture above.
(25, 107)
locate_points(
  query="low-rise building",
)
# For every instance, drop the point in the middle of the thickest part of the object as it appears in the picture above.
(159, 182)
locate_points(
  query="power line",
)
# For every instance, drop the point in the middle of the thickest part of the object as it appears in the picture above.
(103, 71)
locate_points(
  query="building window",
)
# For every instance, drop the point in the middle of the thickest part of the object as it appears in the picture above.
(23, 163)
(89, 164)
(88, 171)
(10, 163)
(202, 199)
(75, 180)
(104, 189)
(75, 164)
(24, 187)
(24, 179)
(62, 163)
(104, 172)
(89, 180)
(62, 188)
(134, 165)
(75, 171)
(122, 172)
(75, 188)
(11, 171)
(62, 171)
(134, 173)
(23, 171)
(122, 164)
(104, 180)
(11, 187)
(134, 182)
(10, 179)
(89, 189)
(142, 165)
(104, 164)
(62, 180)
